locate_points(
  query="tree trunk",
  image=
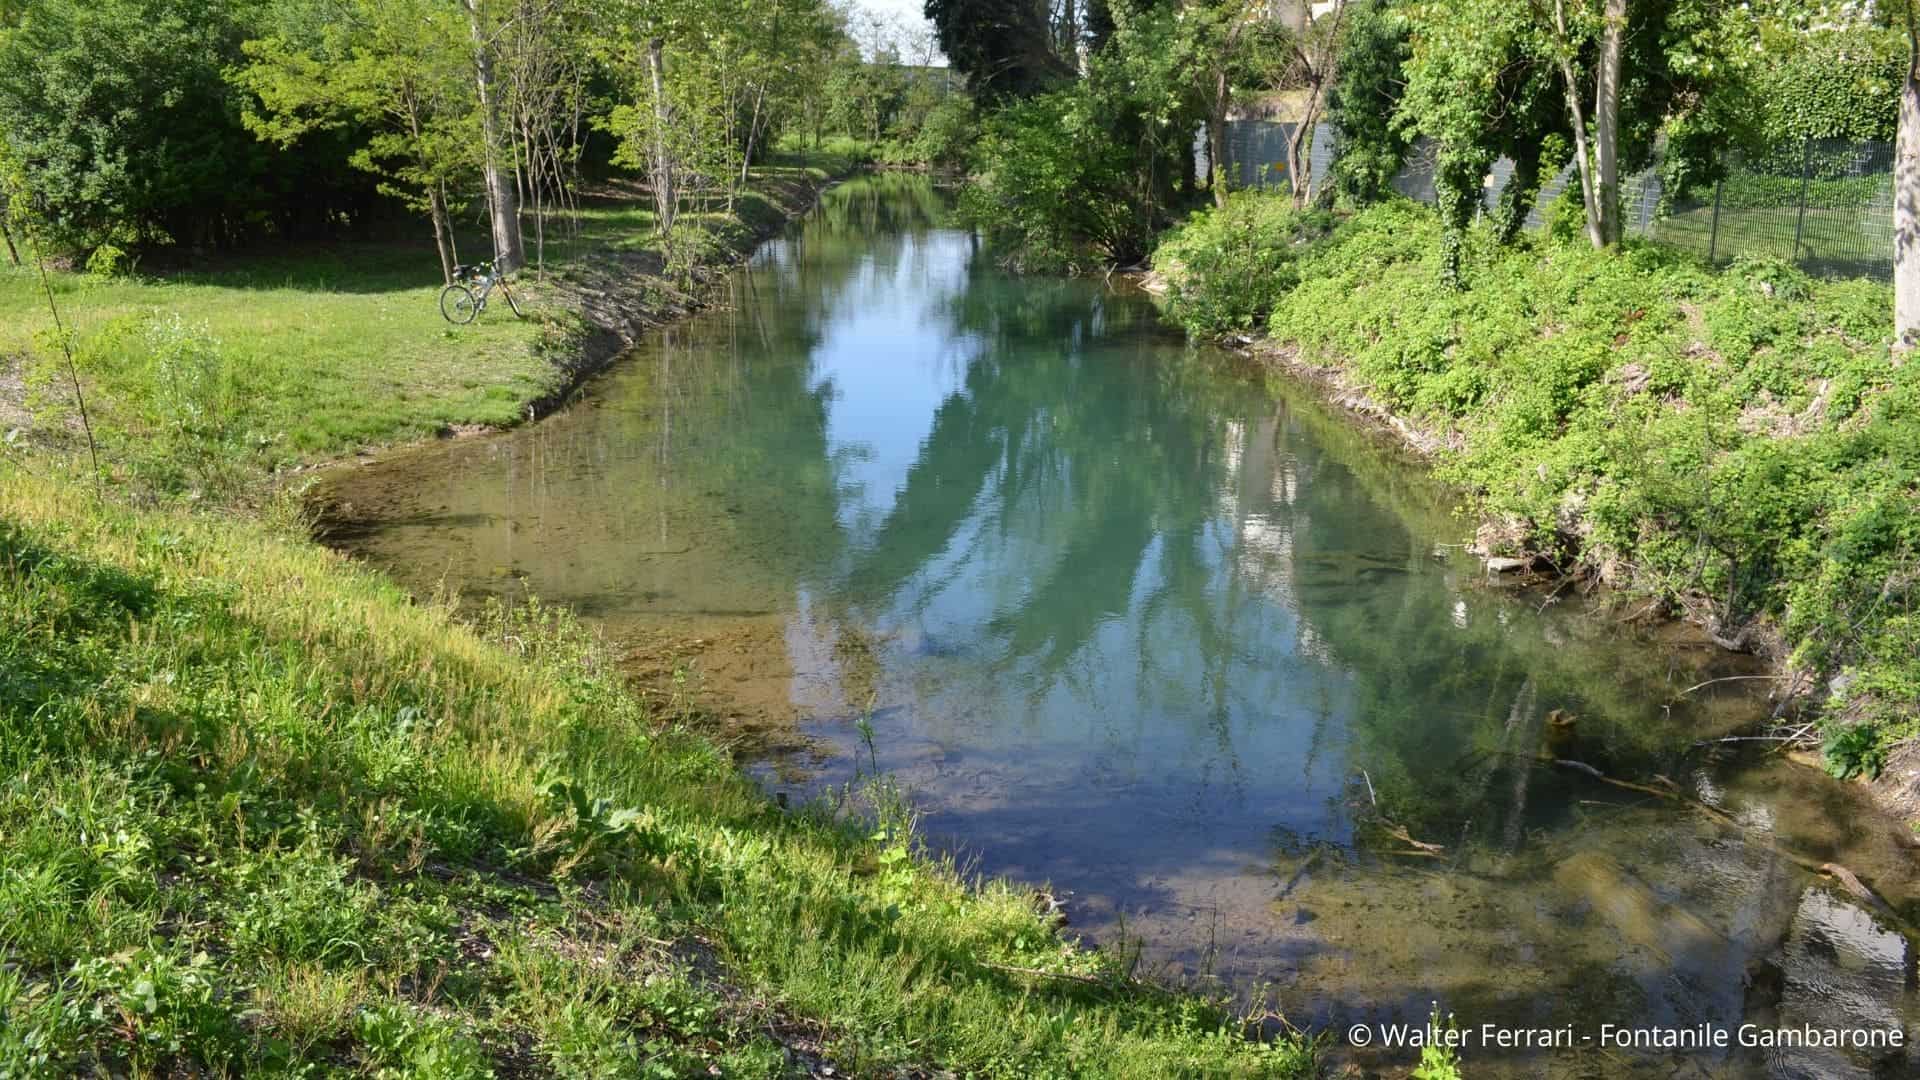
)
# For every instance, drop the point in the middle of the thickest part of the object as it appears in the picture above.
(437, 205)
(12, 252)
(1906, 203)
(1300, 156)
(1318, 54)
(1217, 138)
(753, 128)
(1606, 122)
(503, 196)
(663, 198)
(1581, 158)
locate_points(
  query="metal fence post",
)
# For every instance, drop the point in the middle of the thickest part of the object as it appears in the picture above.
(1713, 231)
(1800, 223)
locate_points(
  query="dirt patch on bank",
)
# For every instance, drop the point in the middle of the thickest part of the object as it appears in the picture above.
(1354, 397)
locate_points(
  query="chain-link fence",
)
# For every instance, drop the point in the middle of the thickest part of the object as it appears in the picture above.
(1831, 211)
(1257, 154)
(1824, 204)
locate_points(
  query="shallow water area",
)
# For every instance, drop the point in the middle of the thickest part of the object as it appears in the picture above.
(1122, 616)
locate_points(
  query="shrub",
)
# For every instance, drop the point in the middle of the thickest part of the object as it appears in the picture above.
(1050, 186)
(947, 135)
(1227, 268)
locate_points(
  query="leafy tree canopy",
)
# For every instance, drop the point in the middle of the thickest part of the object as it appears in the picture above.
(1003, 47)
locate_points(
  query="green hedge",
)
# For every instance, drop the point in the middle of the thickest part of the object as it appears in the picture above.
(1748, 191)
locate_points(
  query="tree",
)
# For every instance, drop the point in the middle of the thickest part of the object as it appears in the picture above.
(1476, 76)
(503, 197)
(544, 53)
(1233, 44)
(700, 86)
(1092, 168)
(1367, 86)
(1312, 51)
(1599, 166)
(1906, 196)
(117, 112)
(1482, 76)
(7, 170)
(1005, 48)
(394, 65)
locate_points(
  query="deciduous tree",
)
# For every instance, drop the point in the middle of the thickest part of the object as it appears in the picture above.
(1906, 195)
(398, 66)
(1005, 48)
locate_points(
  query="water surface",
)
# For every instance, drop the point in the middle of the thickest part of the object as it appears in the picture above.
(1125, 618)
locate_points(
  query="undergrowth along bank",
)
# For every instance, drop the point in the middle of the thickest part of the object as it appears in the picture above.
(1738, 444)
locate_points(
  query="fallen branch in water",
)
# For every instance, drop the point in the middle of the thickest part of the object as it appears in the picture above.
(1798, 734)
(1725, 678)
(1845, 878)
(1669, 792)
(1858, 888)
(1399, 832)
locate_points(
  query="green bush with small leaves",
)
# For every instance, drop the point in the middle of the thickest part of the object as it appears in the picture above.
(1226, 268)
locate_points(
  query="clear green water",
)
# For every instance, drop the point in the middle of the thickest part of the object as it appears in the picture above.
(1127, 619)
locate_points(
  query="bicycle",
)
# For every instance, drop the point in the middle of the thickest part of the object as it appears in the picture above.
(460, 303)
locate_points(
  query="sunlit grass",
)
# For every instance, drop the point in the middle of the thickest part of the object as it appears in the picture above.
(405, 838)
(330, 349)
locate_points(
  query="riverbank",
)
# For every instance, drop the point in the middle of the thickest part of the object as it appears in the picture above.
(1733, 447)
(207, 378)
(266, 812)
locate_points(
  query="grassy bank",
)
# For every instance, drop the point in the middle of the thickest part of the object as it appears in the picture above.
(263, 813)
(1735, 445)
(203, 379)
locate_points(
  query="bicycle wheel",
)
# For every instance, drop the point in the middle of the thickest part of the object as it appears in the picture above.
(457, 304)
(511, 302)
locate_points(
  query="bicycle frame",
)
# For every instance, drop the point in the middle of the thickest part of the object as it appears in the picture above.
(476, 284)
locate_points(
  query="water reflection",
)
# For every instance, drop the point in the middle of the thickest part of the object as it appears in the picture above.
(1130, 621)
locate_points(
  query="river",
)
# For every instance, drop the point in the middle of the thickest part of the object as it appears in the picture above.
(1118, 613)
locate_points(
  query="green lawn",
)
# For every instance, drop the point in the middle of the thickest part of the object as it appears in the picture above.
(288, 357)
(297, 356)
